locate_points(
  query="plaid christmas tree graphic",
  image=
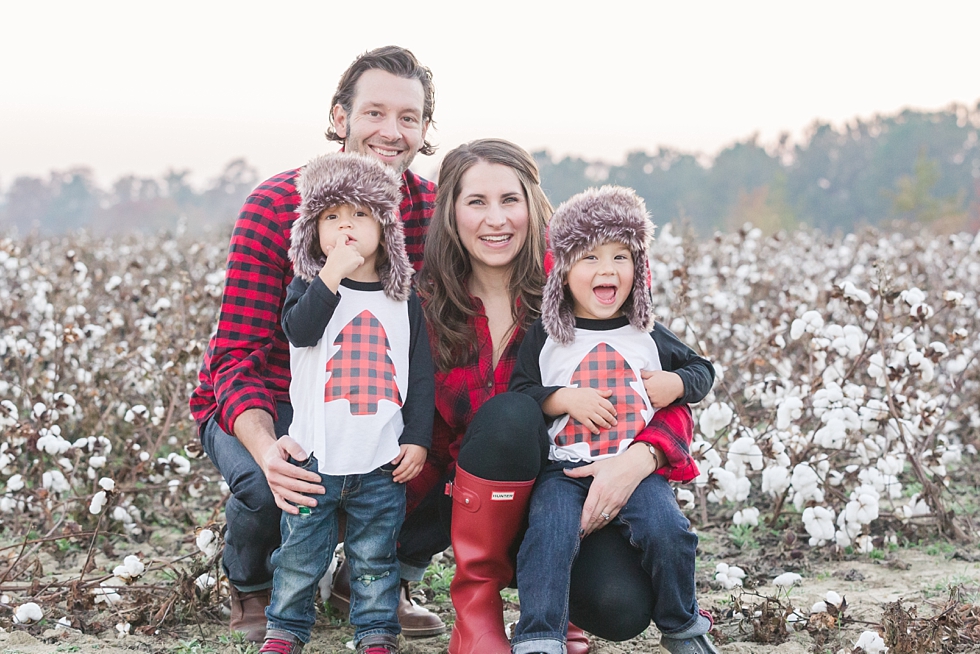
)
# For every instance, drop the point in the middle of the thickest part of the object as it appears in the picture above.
(361, 371)
(605, 368)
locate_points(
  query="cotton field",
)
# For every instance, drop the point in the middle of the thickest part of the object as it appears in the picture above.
(846, 407)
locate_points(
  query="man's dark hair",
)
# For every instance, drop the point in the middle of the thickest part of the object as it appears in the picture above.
(391, 59)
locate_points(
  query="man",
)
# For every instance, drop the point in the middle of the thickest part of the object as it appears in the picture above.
(382, 108)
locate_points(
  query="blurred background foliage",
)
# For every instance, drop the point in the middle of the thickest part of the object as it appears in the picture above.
(914, 166)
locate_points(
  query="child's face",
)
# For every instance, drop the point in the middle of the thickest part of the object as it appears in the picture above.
(355, 222)
(601, 281)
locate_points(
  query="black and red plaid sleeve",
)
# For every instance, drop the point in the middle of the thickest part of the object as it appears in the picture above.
(247, 362)
(672, 429)
(418, 203)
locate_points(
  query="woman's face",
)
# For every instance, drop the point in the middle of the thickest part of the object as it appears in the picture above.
(491, 215)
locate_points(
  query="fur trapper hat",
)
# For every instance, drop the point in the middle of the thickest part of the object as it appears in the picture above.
(581, 223)
(351, 178)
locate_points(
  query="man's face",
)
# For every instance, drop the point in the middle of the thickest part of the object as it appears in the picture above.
(385, 121)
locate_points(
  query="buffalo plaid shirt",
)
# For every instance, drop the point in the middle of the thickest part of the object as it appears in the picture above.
(246, 365)
(463, 390)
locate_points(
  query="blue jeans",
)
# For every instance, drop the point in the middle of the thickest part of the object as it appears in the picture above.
(251, 514)
(651, 521)
(375, 508)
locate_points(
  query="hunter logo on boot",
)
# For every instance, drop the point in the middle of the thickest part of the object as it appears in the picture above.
(605, 368)
(361, 371)
(498, 495)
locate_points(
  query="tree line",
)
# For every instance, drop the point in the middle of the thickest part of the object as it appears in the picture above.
(918, 166)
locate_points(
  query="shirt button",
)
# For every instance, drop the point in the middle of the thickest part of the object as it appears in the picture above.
(490, 383)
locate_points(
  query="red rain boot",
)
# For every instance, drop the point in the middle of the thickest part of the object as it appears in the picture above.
(486, 518)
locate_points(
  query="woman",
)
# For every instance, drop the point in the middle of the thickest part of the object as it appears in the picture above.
(481, 283)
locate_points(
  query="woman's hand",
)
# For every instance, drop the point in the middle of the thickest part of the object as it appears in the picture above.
(614, 480)
(410, 460)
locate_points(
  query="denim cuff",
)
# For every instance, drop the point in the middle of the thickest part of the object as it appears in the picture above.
(253, 588)
(698, 627)
(544, 645)
(282, 634)
(410, 572)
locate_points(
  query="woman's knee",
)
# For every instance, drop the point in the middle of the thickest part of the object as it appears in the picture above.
(507, 439)
(610, 595)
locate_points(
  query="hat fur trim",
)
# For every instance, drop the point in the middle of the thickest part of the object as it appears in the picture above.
(351, 178)
(581, 223)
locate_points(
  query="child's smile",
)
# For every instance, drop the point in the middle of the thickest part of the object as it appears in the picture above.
(601, 281)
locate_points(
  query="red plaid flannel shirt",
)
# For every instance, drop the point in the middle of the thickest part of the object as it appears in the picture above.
(462, 391)
(246, 365)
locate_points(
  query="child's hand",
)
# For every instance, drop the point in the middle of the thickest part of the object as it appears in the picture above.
(591, 407)
(409, 461)
(342, 259)
(663, 388)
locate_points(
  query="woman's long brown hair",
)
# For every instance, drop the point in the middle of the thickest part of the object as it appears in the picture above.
(446, 268)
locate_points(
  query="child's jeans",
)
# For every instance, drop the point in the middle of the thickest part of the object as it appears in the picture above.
(652, 522)
(375, 507)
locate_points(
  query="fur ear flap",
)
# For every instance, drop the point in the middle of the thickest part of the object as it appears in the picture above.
(583, 222)
(350, 178)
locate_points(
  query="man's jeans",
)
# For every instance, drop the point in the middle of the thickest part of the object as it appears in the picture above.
(652, 522)
(375, 507)
(251, 514)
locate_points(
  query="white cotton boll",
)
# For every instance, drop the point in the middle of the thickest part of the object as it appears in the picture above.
(98, 503)
(53, 444)
(833, 598)
(39, 409)
(715, 418)
(842, 538)
(862, 509)
(54, 481)
(775, 480)
(113, 283)
(891, 464)
(96, 462)
(871, 643)
(832, 436)
(685, 498)
(916, 507)
(742, 489)
(15, 483)
(912, 296)
(28, 613)
(107, 484)
(927, 370)
(952, 297)
(921, 311)
(748, 516)
(180, 465)
(787, 580)
(122, 629)
(120, 514)
(106, 592)
(207, 542)
(726, 483)
(819, 607)
(144, 456)
(729, 576)
(63, 623)
(788, 410)
(743, 452)
(819, 523)
(207, 581)
(864, 544)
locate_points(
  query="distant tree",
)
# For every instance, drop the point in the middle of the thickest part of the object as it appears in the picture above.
(27, 204)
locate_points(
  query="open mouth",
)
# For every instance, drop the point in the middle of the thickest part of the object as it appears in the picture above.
(605, 294)
(497, 239)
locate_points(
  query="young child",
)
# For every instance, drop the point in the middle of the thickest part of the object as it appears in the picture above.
(362, 392)
(585, 361)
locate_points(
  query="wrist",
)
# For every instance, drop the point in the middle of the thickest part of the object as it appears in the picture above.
(652, 453)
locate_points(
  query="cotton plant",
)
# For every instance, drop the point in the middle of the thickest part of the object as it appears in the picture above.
(729, 576)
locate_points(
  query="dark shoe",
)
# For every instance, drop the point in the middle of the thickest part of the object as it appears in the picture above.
(416, 621)
(576, 642)
(378, 644)
(695, 645)
(281, 646)
(248, 612)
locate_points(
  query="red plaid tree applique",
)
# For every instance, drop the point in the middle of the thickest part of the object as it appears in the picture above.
(361, 371)
(605, 368)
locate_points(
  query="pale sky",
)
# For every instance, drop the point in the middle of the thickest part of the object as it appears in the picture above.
(140, 87)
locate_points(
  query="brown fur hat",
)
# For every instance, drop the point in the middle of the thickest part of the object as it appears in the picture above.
(581, 223)
(351, 178)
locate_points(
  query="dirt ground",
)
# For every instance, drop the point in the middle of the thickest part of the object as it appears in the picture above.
(921, 576)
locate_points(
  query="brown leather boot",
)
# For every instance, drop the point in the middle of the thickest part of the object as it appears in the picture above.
(487, 516)
(248, 612)
(416, 621)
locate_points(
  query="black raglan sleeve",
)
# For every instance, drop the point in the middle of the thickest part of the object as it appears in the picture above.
(695, 371)
(526, 377)
(307, 310)
(419, 407)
